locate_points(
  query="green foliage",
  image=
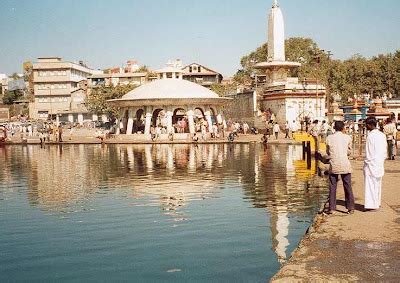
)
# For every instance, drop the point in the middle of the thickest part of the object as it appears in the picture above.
(143, 69)
(224, 89)
(11, 96)
(15, 76)
(28, 75)
(96, 102)
(356, 75)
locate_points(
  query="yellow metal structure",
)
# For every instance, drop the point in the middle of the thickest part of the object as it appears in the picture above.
(300, 137)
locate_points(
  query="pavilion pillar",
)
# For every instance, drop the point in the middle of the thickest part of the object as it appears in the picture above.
(80, 119)
(118, 126)
(129, 127)
(208, 118)
(173, 75)
(190, 115)
(170, 128)
(147, 124)
(219, 118)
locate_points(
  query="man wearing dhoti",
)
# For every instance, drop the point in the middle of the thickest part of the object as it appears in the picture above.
(375, 155)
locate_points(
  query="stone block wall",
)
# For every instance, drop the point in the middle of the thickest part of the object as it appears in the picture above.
(240, 108)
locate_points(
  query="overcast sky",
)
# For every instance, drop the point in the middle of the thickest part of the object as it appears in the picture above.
(215, 33)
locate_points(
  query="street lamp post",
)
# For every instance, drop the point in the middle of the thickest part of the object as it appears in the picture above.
(51, 105)
(317, 57)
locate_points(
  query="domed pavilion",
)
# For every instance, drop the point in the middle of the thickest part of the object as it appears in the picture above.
(171, 103)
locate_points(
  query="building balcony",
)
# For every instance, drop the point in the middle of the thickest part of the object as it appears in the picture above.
(48, 92)
(52, 79)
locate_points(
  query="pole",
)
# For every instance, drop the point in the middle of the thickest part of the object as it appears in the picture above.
(360, 136)
(51, 105)
(308, 155)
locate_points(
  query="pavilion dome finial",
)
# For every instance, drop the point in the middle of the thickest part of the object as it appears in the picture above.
(275, 4)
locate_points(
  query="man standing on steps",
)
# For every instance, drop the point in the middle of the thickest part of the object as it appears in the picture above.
(338, 148)
(375, 155)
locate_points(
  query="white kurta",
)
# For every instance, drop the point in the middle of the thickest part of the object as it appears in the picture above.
(375, 155)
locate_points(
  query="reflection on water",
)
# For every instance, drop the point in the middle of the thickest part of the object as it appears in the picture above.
(76, 179)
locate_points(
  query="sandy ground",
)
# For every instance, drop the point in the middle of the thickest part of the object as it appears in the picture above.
(364, 246)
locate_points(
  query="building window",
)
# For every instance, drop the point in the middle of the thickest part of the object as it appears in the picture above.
(199, 69)
(190, 69)
(43, 114)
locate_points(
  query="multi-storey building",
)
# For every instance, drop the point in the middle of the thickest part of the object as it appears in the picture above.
(114, 79)
(201, 75)
(3, 85)
(59, 90)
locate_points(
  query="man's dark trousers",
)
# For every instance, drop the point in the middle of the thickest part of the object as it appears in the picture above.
(348, 191)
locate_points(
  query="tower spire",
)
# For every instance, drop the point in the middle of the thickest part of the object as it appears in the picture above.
(275, 4)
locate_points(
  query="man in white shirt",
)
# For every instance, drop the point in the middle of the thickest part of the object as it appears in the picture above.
(338, 148)
(390, 131)
(293, 128)
(276, 130)
(375, 155)
(324, 130)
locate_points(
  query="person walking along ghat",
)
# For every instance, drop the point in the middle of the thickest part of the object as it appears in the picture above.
(338, 148)
(375, 155)
(287, 129)
(276, 130)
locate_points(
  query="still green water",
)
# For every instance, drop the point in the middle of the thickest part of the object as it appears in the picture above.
(170, 213)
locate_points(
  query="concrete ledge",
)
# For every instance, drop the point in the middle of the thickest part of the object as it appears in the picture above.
(360, 247)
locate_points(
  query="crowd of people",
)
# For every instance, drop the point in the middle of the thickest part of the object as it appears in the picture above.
(45, 131)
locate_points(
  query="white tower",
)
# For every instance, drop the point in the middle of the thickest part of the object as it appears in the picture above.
(276, 68)
(276, 34)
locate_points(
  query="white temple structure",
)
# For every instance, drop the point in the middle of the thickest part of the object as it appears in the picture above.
(287, 97)
(171, 103)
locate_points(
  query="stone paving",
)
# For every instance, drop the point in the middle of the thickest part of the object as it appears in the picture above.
(364, 246)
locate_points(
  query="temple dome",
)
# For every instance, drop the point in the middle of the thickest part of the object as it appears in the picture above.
(170, 89)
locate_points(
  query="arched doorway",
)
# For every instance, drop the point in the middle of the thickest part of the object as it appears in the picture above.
(199, 117)
(158, 118)
(213, 115)
(179, 121)
(138, 125)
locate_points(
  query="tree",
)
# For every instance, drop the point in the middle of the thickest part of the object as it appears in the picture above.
(96, 102)
(11, 96)
(356, 75)
(298, 49)
(224, 89)
(143, 69)
(28, 75)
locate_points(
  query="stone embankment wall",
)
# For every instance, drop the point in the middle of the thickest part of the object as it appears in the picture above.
(240, 108)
